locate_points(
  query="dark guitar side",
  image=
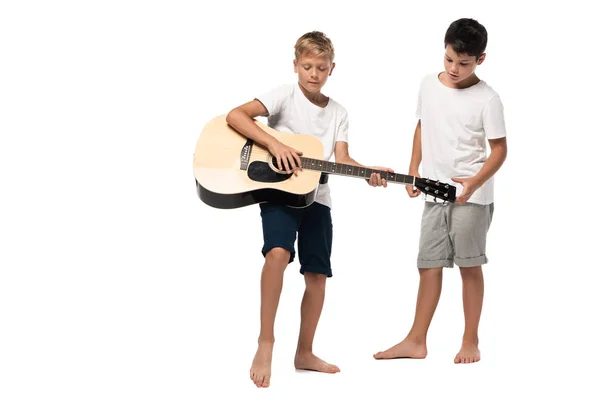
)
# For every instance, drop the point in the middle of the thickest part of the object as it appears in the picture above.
(236, 200)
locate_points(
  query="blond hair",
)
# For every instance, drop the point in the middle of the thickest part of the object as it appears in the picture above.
(314, 44)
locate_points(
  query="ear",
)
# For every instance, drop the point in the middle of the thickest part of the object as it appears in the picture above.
(295, 66)
(332, 67)
(481, 59)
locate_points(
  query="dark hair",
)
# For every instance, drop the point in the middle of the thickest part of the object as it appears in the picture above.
(466, 36)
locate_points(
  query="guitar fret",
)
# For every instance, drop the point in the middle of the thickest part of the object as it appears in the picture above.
(352, 170)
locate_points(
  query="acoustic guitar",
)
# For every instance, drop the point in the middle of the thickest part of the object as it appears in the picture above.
(232, 171)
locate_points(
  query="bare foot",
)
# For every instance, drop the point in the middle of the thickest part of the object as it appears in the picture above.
(404, 349)
(260, 372)
(310, 362)
(469, 353)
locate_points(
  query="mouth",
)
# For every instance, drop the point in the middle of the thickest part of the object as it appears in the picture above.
(313, 83)
(452, 75)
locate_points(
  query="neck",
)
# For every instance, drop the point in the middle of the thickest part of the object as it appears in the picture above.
(354, 170)
(464, 84)
(470, 81)
(317, 98)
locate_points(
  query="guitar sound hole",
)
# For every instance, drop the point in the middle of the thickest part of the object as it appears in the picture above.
(261, 172)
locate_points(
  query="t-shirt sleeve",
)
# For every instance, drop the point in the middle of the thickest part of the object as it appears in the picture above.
(419, 97)
(493, 119)
(418, 111)
(275, 99)
(342, 132)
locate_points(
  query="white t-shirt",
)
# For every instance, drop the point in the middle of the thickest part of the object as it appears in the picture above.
(455, 127)
(291, 112)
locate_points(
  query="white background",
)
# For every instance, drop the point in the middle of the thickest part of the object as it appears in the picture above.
(117, 282)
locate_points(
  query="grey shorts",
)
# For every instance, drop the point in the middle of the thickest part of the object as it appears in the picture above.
(454, 234)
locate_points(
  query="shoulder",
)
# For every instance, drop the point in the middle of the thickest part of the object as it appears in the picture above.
(280, 91)
(285, 89)
(486, 92)
(429, 83)
(429, 79)
(276, 98)
(336, 107)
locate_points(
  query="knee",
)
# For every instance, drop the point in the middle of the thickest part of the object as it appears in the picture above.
(431, 273)
(277, 257)
(471, 272)
(314, 281)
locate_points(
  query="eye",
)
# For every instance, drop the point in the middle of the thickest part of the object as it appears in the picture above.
(464, 65)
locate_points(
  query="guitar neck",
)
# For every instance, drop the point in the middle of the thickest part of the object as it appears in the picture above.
(354, 171)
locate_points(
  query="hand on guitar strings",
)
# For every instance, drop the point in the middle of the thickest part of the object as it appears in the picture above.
(412, 190)
(288, 158)
(376, 180)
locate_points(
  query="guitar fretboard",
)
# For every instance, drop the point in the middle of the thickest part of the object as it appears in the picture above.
(352, 170)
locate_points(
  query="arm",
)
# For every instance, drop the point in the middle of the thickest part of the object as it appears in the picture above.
(342, 156)
(498, 152)
(242, 120)
(415, 161)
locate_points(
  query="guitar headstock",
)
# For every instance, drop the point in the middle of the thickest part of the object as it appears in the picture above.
(436, 189)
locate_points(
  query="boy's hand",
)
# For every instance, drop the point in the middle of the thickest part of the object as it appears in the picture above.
(288, 159)
(470, 185)
(412, 190)
(375, 179)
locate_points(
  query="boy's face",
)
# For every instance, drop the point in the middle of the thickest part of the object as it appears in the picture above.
(313, 71)
(460, 66)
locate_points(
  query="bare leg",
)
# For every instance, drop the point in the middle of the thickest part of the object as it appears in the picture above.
(271, 283)
(414, 345)
(312, 305)
(472, 278)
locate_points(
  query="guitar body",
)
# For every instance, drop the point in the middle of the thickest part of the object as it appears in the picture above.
(232, 171)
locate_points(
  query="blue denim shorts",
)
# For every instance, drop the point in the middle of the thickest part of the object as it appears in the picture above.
(313, 227)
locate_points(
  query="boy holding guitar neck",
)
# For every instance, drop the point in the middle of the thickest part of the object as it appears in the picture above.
(298, 108)
(457, 112)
